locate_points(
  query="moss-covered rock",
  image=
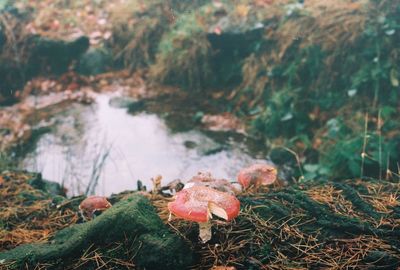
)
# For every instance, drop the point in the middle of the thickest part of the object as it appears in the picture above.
(133, 219)
(95, 61)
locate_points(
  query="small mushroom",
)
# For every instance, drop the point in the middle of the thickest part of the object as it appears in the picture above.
(92, 204)
(206, 179)
(257, 175)
(199, 203)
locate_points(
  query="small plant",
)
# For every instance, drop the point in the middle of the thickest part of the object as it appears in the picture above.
(351, 153)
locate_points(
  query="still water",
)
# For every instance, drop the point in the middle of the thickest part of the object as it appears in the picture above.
(100, 149)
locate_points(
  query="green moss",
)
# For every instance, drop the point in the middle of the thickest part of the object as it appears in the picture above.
(133, 218)
(352, 195)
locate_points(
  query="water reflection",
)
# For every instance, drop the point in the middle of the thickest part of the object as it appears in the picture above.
(105, 150)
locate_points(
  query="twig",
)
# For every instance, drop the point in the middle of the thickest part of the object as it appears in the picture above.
(98, 165)
(380, 144)
(297, 160)
(363, 154)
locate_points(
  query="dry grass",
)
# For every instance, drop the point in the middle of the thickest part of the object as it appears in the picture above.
(333, 198)
(331, 25)
(28, 215)
(137, 28)
(188, 66)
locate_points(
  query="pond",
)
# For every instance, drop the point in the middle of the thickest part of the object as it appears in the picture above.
(101, 149)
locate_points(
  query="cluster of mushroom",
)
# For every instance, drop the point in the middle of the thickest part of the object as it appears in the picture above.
(201, 198)
(204, 196)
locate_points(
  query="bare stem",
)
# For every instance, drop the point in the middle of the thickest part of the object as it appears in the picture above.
(205, 231)
(363, 154)
(380, 144)
(297, 160)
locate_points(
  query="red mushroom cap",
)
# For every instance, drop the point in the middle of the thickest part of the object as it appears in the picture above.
(257, 174)
(94, 203)
(198, 202)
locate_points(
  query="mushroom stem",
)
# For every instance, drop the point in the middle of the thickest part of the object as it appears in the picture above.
(205, 231)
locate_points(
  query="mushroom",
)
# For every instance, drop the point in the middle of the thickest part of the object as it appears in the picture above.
(206, 179)
(156, 184)
(199, 203)
(173, 186)
(92, 204)
(257, 175)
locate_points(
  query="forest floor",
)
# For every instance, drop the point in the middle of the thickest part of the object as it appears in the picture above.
(352, 224)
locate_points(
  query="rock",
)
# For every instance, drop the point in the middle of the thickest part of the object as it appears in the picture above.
(233, 40)
(235, 35)
(137, 106)
(207, 146)
(190, 144)
(95, 61)
(203, 145)
(123, 102)
(133, 218)
(54, 55)
(42, 56)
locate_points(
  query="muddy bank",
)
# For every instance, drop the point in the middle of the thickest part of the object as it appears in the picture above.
(17, 122)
